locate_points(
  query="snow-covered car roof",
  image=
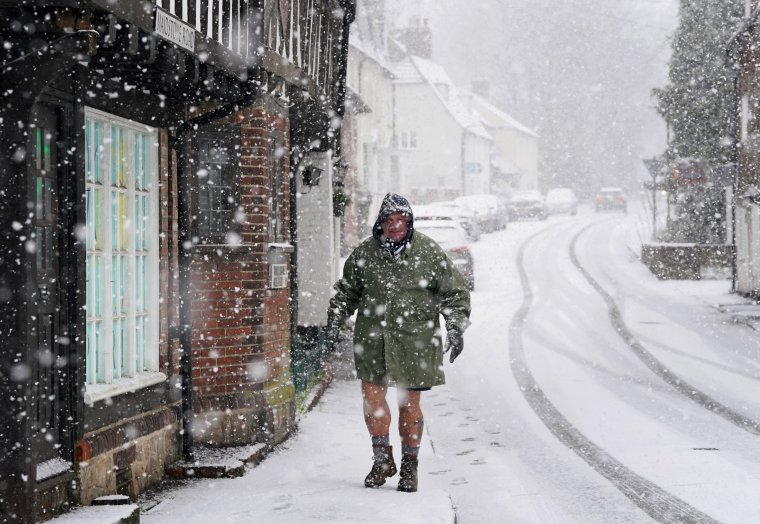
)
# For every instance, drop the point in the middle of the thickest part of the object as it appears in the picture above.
(527, 195)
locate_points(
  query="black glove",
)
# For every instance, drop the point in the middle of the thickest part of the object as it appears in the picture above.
(455, 343)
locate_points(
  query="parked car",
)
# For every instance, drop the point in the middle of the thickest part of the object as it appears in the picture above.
(527, 204)
(462, 215)
(561, 200)
(453, 239)
(611, 199)
(488, 210)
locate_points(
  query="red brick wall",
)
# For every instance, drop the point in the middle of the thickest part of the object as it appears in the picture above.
(241, 328)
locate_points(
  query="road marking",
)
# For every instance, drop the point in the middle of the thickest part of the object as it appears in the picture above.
(652, 499)
(650, 361)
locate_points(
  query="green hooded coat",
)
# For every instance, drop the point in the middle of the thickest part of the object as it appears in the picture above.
(397, 339)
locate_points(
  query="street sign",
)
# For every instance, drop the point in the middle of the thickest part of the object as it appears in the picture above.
(175, 30)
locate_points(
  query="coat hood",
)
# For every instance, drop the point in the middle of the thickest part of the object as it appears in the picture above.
(393, 203)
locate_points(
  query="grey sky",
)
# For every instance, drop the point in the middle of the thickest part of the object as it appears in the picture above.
(580, 72)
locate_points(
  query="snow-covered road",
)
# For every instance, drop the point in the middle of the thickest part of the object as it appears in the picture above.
(592, 392)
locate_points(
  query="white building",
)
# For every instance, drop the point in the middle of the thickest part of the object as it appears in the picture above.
(443, 149)
(515, 158)
(369, 75)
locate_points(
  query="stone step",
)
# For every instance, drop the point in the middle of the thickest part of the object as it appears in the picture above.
(101, 512)
(218, 462)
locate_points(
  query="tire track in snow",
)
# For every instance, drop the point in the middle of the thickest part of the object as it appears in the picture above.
(649, 497)
(650, 361)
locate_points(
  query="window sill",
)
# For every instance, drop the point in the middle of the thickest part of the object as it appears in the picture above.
(96, 392)
(225, 248)
(284, 246)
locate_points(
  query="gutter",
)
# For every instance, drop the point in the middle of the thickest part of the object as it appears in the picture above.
(349, 14)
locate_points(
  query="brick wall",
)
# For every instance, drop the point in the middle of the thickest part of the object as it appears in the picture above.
(241, 327)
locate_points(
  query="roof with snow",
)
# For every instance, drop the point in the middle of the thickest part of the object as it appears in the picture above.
(370, 52)
(415, 70)
(493, 117)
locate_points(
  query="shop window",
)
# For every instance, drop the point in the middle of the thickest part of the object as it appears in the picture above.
(122, 252)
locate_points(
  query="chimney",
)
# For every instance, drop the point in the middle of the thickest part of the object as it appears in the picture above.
(418, 38)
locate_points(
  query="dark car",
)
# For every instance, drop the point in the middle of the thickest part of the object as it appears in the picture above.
(527, 204)
(611, 199)
(453, 239)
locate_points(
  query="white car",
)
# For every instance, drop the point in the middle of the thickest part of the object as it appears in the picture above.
(487, 208)
(561, 200)
(452, 239)
(451, 210)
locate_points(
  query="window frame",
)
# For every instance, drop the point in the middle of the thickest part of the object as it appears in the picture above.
(225, 133)
(117, 184)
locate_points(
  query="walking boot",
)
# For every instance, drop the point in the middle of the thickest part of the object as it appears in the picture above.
(382, 468)
(408, 479)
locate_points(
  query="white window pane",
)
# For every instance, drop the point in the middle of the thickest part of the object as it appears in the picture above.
(122, 247)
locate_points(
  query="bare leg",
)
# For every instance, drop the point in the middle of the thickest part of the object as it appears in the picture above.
(378, 419)
(410, 425)
(377, 414)
(410, 420)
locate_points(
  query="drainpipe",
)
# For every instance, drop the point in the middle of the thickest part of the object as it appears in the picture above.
(463, 150)
(180, 145)
(349, 14)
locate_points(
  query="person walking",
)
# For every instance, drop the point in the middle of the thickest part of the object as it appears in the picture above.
(398, 281)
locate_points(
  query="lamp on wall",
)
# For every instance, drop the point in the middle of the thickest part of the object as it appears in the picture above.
(752, 195)
(311, 176)
(341, 170)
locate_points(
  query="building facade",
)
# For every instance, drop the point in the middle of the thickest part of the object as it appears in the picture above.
(745, 49)
(150, 238)
(443, 149)
(515, 154)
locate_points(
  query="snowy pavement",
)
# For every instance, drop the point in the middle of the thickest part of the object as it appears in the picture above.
(316, 476)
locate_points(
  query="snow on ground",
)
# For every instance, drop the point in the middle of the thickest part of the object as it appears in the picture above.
(316, 476)
(486, 455)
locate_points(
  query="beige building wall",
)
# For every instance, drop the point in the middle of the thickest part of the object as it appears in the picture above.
(371, 79)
